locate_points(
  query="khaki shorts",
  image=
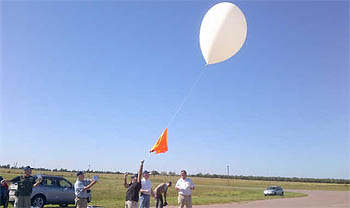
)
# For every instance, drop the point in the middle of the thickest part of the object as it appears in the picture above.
(81, 203)
(184, 200)
(130, 204)
(22, 202)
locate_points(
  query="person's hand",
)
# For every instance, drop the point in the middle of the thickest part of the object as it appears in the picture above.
(2, 182)
(142, 161)
(95, 178)
(165, 203)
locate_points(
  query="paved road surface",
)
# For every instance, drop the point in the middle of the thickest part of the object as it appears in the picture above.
(315, 199)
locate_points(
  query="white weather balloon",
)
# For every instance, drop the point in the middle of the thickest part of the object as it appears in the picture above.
(223, 32)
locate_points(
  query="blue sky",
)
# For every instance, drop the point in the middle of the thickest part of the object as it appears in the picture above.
(87, 83)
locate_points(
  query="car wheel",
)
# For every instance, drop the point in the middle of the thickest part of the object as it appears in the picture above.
(38, 201)
(282, 194)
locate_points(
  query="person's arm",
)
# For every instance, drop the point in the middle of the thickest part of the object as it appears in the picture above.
(2, 183)
(165, 197)
(38, 182)
(90, 185)
(140, 172)
(192, 185)
(177, 186)
(144, 191)
(14, 180)
(125, 183)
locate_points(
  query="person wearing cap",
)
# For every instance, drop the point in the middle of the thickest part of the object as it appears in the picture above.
(132, 194)
(146, 190)
(81, 187)
(184, 186)
(158, 191)
(25, 184)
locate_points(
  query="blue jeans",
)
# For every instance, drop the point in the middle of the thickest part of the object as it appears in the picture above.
(145, 201)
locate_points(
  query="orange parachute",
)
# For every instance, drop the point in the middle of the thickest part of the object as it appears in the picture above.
(161, 145)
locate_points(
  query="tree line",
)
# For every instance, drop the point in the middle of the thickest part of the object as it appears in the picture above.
(276, 178)
(207, 175)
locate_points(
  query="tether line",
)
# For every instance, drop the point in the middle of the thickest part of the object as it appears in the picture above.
(185, 98)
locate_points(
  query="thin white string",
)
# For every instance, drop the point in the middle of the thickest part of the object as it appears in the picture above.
(185, 98)
(182, 103)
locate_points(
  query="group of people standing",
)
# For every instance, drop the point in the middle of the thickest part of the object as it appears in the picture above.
(141, 190)
(138, 190)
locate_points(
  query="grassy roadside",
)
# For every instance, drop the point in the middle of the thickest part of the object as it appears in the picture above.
(109, 191)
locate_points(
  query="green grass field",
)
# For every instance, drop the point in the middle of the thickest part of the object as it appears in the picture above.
(109, 191)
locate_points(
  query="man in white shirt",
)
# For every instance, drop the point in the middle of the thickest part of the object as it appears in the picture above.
(184, 186)
(146, 191)
(81, 186)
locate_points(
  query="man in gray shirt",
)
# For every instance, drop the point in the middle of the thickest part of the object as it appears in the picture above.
(81, 186)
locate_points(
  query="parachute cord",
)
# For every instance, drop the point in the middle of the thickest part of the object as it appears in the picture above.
(181, 104)
(185, 98)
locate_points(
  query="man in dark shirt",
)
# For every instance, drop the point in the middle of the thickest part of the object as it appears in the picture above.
(25, 184)
(132, 194)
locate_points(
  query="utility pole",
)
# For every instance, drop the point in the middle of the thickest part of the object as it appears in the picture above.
(228, 175)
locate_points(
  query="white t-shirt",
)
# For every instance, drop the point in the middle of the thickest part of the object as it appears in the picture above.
(184, 186)
(146, 185)
(79, 187)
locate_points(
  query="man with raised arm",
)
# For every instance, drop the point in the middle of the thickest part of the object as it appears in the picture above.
(81, 187)
(25, 184)
(132, 194)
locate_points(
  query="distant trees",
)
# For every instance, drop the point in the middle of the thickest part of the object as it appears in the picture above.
(5, 166)
(286, 179)
(154, 172)
(171, 173)
(163, 173)
(207, 175)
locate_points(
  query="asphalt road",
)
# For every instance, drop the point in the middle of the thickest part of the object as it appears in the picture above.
(315, 199)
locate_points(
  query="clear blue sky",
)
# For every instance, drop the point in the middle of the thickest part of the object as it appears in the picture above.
(86, 83)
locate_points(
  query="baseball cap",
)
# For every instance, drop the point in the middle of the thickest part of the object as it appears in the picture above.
(80, 173)
(27, 168)
(134, 176)
(144, 172)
